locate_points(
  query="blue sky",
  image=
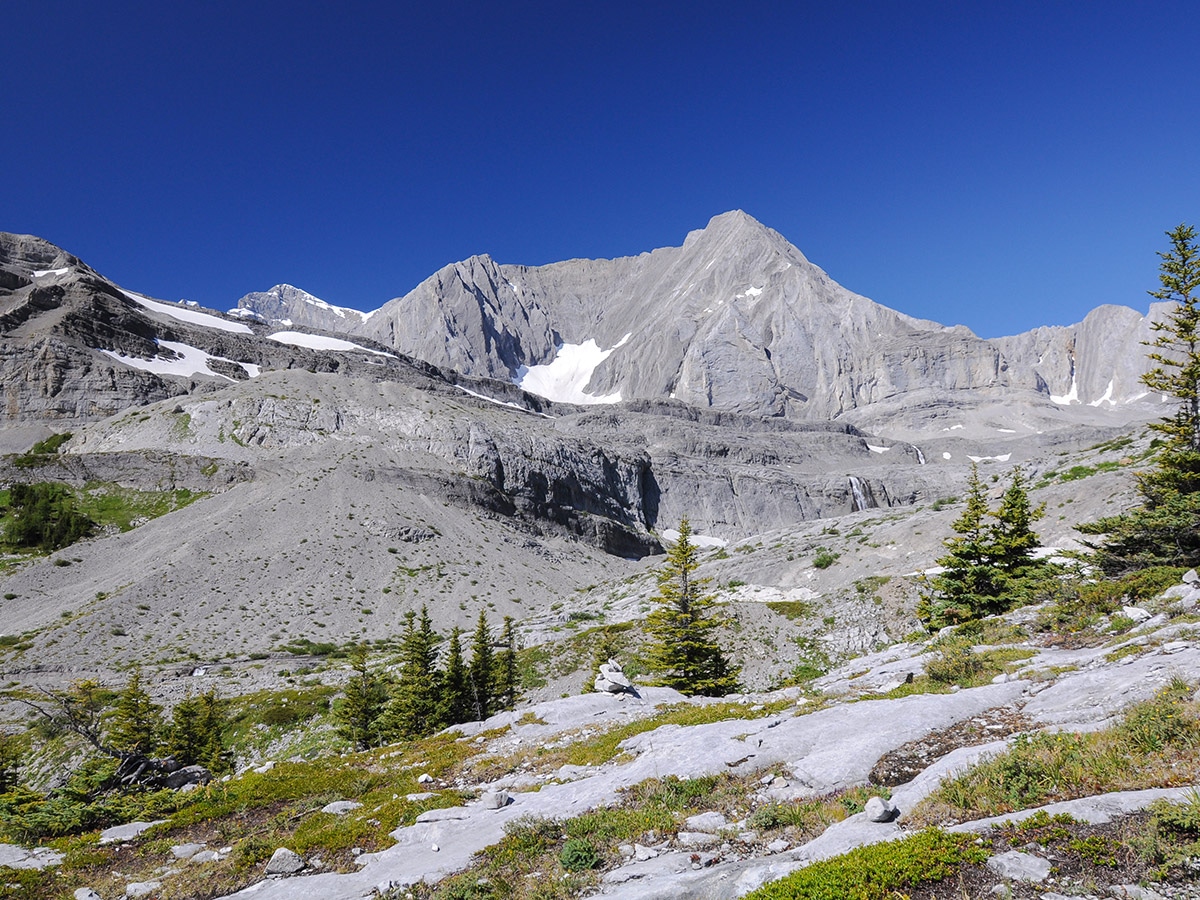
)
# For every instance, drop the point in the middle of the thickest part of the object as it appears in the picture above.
(1000, 165)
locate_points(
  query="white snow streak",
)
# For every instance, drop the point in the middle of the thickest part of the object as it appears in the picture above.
(698, 540)
(503, 403)
(975, 459)
(321, 342)
(191, 361)
(1071, 396)
(564, 378)
(1107, 398)
(188, 315)
(42, 273)
(874, 449)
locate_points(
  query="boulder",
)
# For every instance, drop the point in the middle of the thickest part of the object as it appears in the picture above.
(141, 889)
(86, 893)
(880, 810)
(611, 679)
(1136, 613)
(284, 862)
(709, 822)
(186, 851)
(495, 799)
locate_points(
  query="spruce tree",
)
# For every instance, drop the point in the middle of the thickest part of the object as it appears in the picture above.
(196, 735)
(683, 652)
(358, 715)
(413, 709)
(988, 557)
(136, 721)
(1165, 529)
(507, 688)
(480, 675)
(454, 702)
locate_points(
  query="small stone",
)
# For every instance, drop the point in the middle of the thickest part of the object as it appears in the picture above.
(186, 851)
(340, 807)
(1190, 576)
(880, 810)
(1017, 866)
(779, 782)
(695, 839)
(1001, 890)
(206, 856)
(284, 862)
(642, 853)
(424, 778)
(778, 845)
(141, 889)
(1136, 613)
(434, 847)
(626, 850)
(265, 767)
(86, 893)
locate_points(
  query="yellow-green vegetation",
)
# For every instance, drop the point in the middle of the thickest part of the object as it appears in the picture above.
(254, 813)
(110, 504)
(1077, 605)
(1156, 744)
(958, 663)
(879, 871)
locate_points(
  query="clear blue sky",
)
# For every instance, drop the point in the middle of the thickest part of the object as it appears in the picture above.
(999, 164)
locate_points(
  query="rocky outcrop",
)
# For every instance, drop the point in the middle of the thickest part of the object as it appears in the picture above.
(291, 307)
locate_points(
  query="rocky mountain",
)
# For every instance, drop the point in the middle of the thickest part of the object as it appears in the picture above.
(288, 306)
(737, 319)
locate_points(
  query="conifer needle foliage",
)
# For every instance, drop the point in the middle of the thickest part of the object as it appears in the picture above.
(684, 652)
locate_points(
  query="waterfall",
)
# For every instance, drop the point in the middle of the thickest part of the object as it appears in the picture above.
(920, 456)
(856, 490)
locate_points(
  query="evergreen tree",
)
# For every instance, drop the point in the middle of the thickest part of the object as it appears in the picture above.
(988, 556)
(412, 711)
(10, 762)
(455, 700)
(480, 675)
(1165, 529)
(358, 715)
(136, 721)
(683, 652)
(44, 516)
(1013, 537)
(196, 735)
(507, 687)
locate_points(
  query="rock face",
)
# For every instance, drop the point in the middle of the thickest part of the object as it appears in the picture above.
(737, 319)
(291, 306)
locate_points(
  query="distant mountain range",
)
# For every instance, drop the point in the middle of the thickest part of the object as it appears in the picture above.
(736, 319)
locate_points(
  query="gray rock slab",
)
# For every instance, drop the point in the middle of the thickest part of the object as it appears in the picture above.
(340, 807)
(693, 840)
(1096, 810)
(710, 822)
(126, 832)
(1017, 866)
(186, 851)
(15, 857)
(141, 889)
(86, 893)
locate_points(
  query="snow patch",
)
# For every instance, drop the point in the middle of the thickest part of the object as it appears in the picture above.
(1071, 396)
(321, 342)
(1007, 430)
(945, 455)
(977, 459)
(874, 449)
(191, 316)
(564, 378)
(1107, 396)
(698, 540)
(42, 273)
(953, 427)
(190, 361)
(503, 403)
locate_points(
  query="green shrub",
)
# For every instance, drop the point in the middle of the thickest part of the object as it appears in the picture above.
(879, 871)
(955, 663)
(824, 559)
(578, 855)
